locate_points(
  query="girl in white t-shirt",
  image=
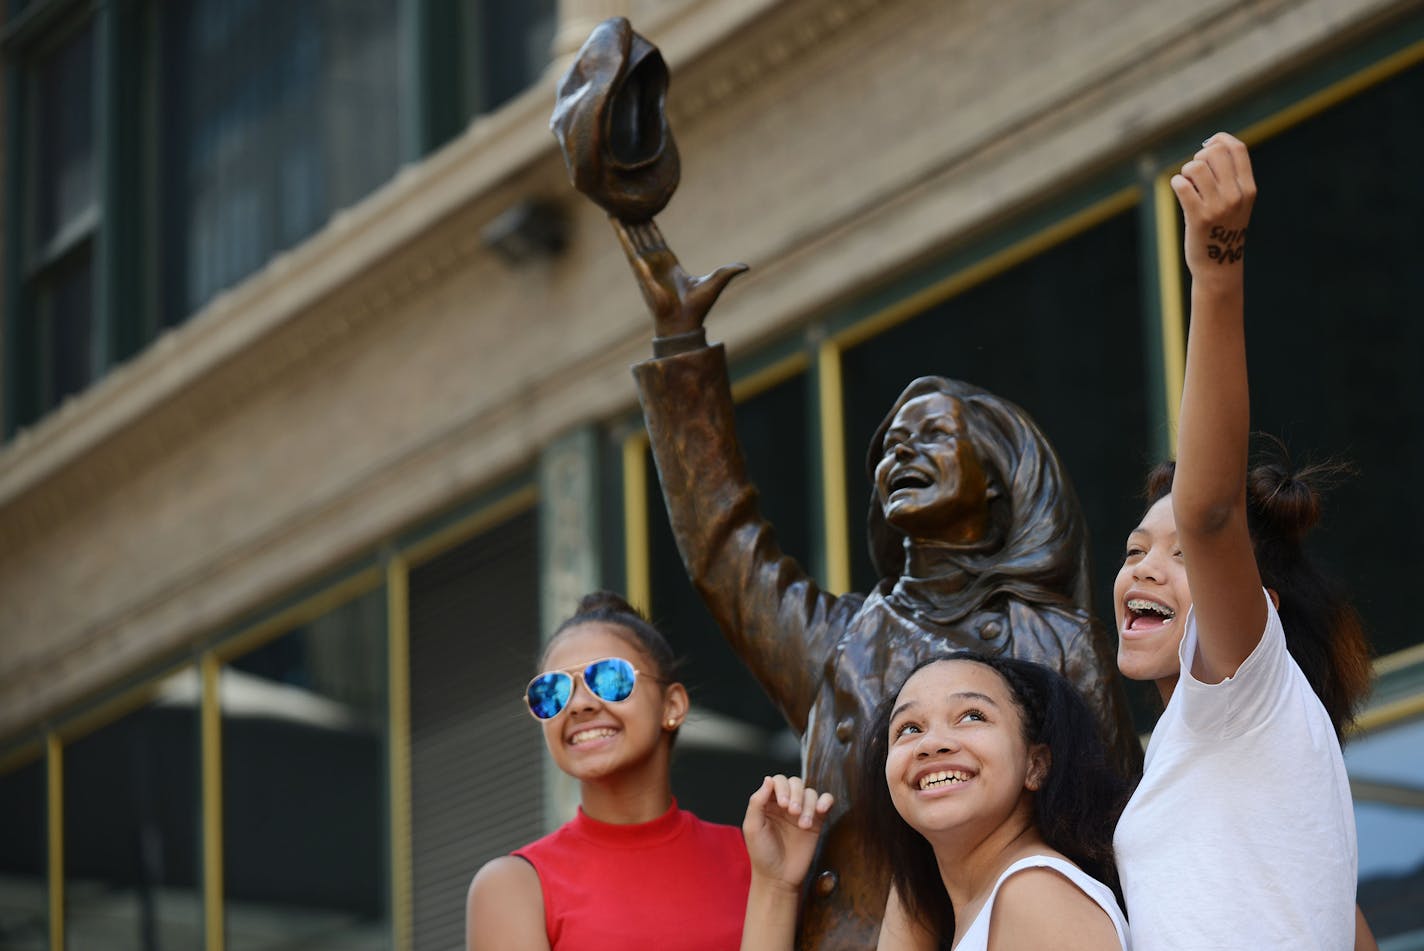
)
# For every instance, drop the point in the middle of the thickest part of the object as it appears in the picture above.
(1241, 833)
(989, 801)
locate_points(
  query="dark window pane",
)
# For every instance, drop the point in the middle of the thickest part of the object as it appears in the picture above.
(1334, 294)
(131, 823)
(277, 115)
(513, 40)
(304, 786)
(24, 892)
(712, 777)
(1061, 336)
(64, 309)
(64, 124)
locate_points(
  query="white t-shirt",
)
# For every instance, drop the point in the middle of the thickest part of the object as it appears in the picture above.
(1241, 833)
(977, 937)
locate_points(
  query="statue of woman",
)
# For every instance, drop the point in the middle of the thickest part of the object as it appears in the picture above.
(973, 524)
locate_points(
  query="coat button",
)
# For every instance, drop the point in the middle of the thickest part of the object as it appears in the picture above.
(991, 630)
(845, 730)
(826, 883)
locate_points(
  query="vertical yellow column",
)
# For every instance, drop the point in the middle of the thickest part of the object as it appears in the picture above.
(637, 565)
(211, 727)
(54, 767)
(833, 461)
(1169, 280)
(398, 690)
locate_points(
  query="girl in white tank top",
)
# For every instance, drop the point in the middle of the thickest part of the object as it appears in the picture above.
(979, 771)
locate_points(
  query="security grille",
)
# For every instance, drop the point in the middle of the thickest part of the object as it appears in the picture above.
(476, 756)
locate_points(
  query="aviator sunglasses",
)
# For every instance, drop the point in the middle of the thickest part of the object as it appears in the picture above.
(611, 679)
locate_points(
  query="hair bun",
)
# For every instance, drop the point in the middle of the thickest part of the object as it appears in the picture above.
(596, 601)
(1285, 500)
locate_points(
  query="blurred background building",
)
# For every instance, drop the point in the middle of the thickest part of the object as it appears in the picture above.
(317, 413)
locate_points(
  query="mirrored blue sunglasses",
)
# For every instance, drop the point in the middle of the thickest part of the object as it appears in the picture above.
(611, 679)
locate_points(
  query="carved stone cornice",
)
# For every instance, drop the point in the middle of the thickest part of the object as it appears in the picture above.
(786, 31)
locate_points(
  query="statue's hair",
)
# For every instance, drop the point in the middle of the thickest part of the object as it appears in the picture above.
(1043, 543)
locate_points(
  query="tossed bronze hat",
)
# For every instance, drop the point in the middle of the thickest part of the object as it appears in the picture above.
(611, 123)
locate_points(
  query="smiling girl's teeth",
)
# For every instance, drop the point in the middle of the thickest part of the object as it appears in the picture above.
(943, 778)
(583, 736)
(1144, 606)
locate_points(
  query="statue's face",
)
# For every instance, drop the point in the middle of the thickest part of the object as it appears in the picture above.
(930, 480)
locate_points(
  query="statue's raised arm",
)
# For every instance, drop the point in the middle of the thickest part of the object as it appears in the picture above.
(973, 523)
(612, 125)
(610, 121)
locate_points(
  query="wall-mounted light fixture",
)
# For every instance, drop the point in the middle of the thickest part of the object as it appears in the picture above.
(535, 228)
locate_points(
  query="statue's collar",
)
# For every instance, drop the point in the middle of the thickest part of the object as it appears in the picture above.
(945, 567)
(938, 581)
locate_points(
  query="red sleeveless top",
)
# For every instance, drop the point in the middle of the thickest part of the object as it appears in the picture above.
(676, 883)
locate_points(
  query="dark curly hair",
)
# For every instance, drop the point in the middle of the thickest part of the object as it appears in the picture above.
(1075, 809)
(1323, 631)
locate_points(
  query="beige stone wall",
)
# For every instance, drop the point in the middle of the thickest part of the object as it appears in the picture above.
(392, 366)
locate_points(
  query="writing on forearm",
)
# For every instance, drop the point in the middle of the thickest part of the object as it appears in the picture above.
(1227, 245)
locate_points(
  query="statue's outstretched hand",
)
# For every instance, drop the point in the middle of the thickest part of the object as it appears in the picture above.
(678, 301)
(783, 822)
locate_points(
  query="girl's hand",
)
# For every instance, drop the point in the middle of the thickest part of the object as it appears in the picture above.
(784, 820)
(1216, 190)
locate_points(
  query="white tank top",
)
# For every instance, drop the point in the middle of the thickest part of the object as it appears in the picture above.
(977, 937)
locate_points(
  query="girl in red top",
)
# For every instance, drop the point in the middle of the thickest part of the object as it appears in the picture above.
(631, 869)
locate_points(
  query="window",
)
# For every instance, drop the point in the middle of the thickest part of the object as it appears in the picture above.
(304, 786)
(163, 151)
(276, 115)
(131, 821)
(478, 55)
(56, 328)
(24, 899)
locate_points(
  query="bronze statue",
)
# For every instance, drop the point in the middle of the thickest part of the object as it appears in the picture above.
(973, 525)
